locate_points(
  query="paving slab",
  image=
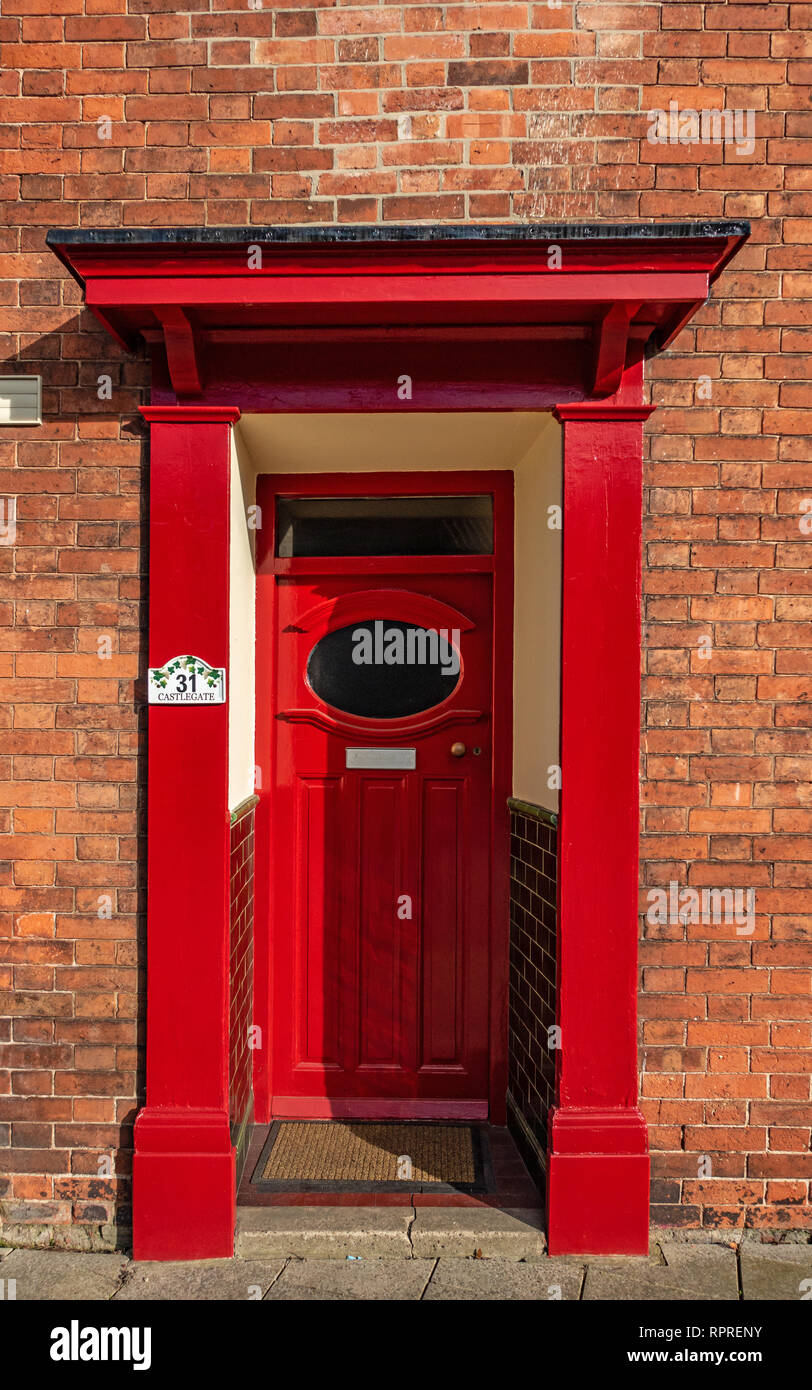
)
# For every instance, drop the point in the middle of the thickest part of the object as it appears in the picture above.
(223, 1280)
(706, 1273)
(773, 1272)
(344, 1280)
(49, 1274)
(323, 1233)
(549, 1280)
(487, 1233)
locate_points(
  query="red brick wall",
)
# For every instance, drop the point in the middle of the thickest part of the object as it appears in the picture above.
(325, 112)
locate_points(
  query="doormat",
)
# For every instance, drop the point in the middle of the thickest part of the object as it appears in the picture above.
(366, 1156)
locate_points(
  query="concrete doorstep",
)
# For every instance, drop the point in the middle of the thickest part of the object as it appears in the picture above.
(428, 1233)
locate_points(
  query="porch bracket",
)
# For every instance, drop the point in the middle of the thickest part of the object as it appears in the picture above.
(181, 354)
(611, 337)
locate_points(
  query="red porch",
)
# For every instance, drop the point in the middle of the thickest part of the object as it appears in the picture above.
(397, 321)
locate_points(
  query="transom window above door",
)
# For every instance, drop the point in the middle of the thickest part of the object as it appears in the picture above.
(319, 526)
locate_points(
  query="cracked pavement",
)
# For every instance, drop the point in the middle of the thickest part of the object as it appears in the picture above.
(676, 1269)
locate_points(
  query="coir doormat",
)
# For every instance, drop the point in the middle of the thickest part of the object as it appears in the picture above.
(366, 1156)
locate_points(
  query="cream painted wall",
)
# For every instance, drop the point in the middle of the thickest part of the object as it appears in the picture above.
(242, 640)
(526, 443)
(537, 621)
(370, 443)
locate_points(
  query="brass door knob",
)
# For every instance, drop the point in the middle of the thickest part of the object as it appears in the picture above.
(458, 750)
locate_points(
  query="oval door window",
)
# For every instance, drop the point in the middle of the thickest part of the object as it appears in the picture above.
(383, 669)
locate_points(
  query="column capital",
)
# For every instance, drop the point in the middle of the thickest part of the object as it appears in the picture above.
(602, 410)
(190, 414)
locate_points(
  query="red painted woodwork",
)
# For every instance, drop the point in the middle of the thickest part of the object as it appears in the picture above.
(359, 371)
(514, 322)
(370, 1014)
(478, 325)
(181, 354)
(183, 1175)
(597, 1134)
(613, 342)
(368, 1004)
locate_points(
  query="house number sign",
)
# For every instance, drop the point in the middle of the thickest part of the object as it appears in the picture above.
(187, 680)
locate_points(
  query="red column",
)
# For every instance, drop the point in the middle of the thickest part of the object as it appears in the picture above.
(598, 1175)
(184, 1171)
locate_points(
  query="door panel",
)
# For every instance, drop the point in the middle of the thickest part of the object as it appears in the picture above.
(443, 923)
(318, 927)
(380, 949)
(381, 877)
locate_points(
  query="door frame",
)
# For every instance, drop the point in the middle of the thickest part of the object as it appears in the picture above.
(498, 484)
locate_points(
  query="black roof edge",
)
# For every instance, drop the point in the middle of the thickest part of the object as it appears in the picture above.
(330, 235)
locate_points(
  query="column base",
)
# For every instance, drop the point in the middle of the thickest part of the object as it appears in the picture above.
(184, 1185)
(598, 1183)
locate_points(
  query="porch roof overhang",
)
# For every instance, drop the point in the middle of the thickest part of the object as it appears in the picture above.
(625, 291)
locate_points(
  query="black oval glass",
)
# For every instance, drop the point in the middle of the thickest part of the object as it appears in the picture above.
(382, 669)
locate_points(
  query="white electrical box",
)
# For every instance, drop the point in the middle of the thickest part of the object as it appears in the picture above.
(20, 400)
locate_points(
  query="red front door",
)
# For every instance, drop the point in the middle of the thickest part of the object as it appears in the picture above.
(380, 843)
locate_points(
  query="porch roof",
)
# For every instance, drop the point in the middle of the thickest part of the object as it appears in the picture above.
(624, 289)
